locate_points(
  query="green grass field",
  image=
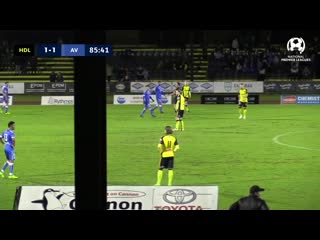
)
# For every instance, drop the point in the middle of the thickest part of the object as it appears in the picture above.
(44, 148)
(277, 147)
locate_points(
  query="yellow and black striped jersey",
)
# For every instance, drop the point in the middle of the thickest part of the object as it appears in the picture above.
(180, 102)
(186, 92)
(168, 144)
(243, 95)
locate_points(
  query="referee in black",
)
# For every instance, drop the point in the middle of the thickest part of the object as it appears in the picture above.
(251, 202)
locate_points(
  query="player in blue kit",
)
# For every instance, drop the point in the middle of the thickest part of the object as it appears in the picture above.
(146, 101)
(159, 93)
(5, 95)
(9, 138)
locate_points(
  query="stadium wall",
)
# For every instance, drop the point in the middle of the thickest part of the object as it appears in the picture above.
(30, 93)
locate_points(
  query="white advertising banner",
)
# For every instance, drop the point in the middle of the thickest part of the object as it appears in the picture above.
(233, 87)
(46, 198)
(14, 88)
(129, 197)
(10, 100)
(162, 198)
(137, 99)
(57, 100)
(121, 198)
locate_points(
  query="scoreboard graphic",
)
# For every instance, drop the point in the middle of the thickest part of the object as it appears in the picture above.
(64, 50)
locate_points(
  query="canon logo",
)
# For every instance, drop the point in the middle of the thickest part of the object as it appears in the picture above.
(113, 205)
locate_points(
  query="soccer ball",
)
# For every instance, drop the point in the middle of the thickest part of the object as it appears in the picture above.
(296, 44)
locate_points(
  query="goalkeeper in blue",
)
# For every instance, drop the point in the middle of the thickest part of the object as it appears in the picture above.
(159, 93)
(146, 101)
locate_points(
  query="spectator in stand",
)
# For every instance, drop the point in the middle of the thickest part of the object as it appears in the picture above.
(126, 75)
(306, 73)
(294, 71)
(139, 73)
(53, 77)
(59, 77)
(109, 72)
(34, 64)
(238, 70)
(262, 69)
(235, 44)
(145, 74)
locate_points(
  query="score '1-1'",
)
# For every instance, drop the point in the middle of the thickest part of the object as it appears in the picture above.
(53, 49)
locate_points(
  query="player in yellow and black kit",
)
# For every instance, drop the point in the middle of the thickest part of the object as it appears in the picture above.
(187, 94)
(167, 146)
(180, 106)
(243, 102)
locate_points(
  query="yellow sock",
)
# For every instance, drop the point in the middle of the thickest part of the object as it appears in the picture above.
(240, 111)
(177, 124)
(182, 124)
(159, 177)
(245, 112)
(170, 177)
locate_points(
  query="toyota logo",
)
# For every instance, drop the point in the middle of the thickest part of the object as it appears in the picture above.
(179, 196)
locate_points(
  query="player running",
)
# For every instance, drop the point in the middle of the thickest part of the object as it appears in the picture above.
(159, 93)
(9, 142)
(5, 95)
(167, 146)
(243, 101)
(146, 101)
(187, 94)
(180, 106)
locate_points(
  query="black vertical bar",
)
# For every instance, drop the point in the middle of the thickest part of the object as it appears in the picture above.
(90, 126)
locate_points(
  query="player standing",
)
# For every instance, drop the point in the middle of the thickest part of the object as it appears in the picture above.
(243, 101)
(174, 94)
(146, 101)
(5, 95)
(9, 142)
(167, 146)
(180, 105)
(187, 94)
(159, 93)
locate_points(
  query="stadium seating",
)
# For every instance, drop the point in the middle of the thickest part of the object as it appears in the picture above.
(44, 67)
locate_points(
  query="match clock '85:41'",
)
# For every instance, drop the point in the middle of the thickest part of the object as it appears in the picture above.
(98, 50)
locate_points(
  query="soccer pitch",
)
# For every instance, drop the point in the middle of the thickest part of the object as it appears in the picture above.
(277, 147)
(44, 148)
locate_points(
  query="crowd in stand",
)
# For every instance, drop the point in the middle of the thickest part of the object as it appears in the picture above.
(9, 62)
(235, 63)
(242, 59)
(131, 65)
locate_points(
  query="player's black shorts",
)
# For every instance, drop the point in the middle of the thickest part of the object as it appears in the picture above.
(186, 99)
(243, 104)
(180, 113)
(166, 162)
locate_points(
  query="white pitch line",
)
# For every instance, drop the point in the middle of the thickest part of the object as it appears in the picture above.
(276, 140)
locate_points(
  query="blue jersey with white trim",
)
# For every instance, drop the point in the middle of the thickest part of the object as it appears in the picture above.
(8, 137)
(159, 92)
(146, 97)
(5, 91)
